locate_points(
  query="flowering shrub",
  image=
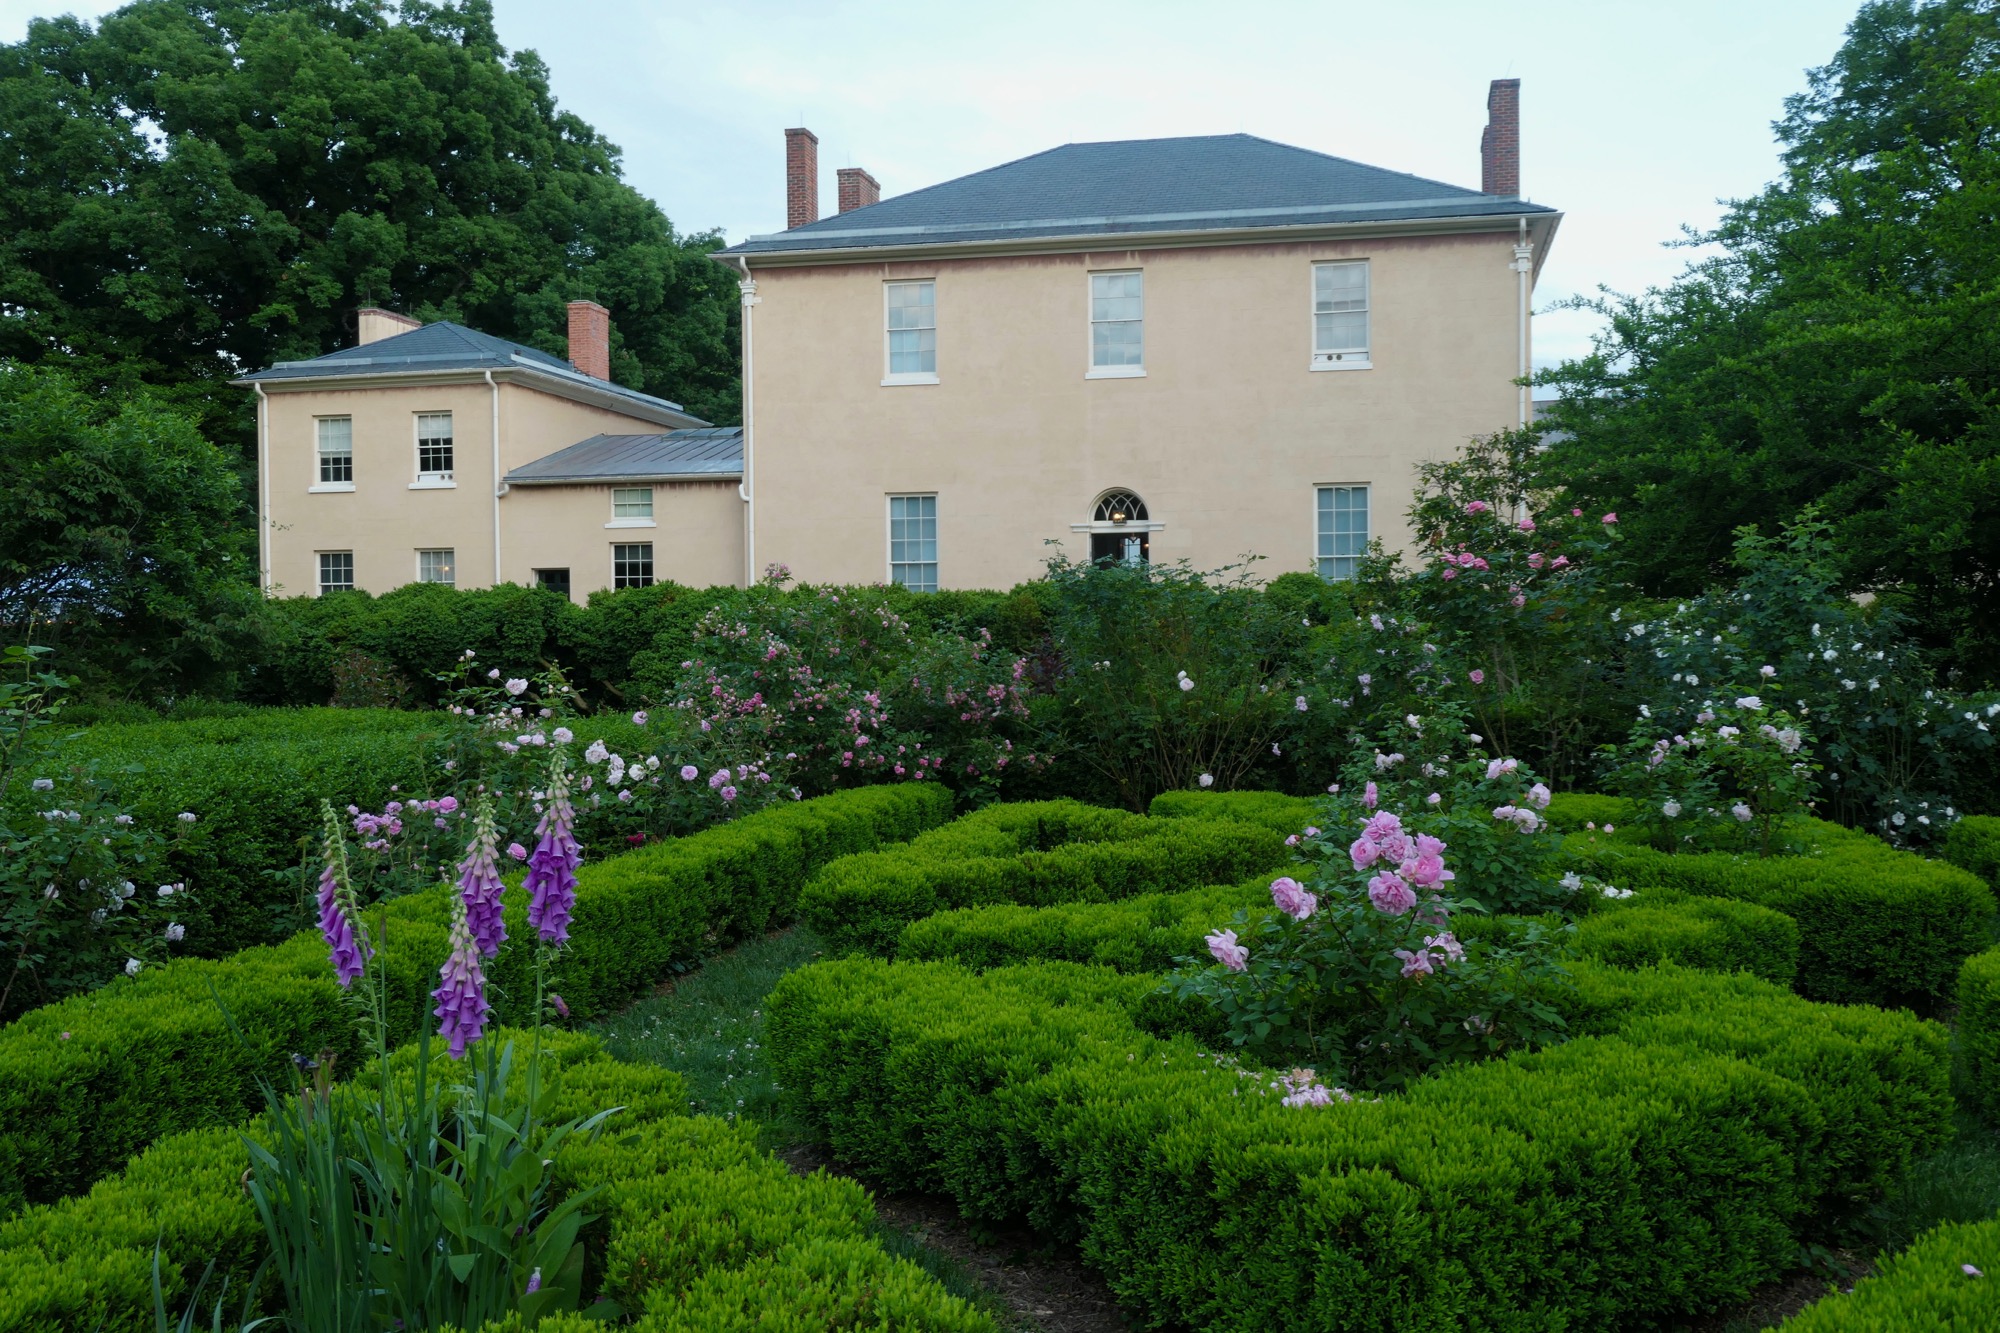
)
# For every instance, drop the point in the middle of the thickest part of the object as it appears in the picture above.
(80, 901)
(1359, 972)
(1735, 780)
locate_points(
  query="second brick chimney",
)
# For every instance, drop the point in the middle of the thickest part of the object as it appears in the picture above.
(1500, 145)
(590, 339)
(858, 189)
(801, 177)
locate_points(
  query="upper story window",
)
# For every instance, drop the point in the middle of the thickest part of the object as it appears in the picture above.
(632, 504)
(912, 332)
(1341, 530)
(1340, 315)
(438, 566)
(336, 451)
(434, 463)
(1117, 324)
(913, 542)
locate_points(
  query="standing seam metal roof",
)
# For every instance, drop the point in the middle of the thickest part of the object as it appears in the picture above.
(708, 451)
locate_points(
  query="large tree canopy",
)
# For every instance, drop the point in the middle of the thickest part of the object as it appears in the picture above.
(1841, 350)
(194, 188)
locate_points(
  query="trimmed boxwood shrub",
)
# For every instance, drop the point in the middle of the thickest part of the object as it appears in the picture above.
(1973, 845)
(690, 1218)
(87, 1082)
(1716, 934)
(1665, 1161)
(1979, 1032)
(1282, 814)
(1924, 1287)
(1037, 854)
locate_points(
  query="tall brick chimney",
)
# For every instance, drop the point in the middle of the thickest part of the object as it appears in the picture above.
(801, 178)
(858, 189)
(1500, 145)
(372, 324)
(590, 338)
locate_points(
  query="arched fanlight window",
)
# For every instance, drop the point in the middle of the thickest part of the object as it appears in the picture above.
(1120, 507)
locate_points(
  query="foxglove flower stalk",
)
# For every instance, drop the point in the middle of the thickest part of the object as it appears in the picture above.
(462, 1009)
(552, 865)
(479, 883)
(346, 942)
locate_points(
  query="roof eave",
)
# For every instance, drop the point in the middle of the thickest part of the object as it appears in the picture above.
(580, 388)
(1543, 224)
(608, 477)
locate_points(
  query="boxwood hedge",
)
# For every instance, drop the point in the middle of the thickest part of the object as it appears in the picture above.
(1924, 1287)
(1973, 845)
(86, 1082)
(1979, 1032)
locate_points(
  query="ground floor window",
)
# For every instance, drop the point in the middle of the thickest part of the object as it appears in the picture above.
(555, 580)
(913, 540)
(1121, 530)
(438, 566)
(336, 572)
(631, 565)
(1341, 530)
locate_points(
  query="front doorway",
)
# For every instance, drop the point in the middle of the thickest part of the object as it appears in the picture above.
(1120, 529)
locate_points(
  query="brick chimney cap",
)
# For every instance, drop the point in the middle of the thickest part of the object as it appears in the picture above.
(802, 130)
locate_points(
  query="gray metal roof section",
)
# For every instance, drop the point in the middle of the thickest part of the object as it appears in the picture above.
(445, 348)
(705, 452)
(1214, 182)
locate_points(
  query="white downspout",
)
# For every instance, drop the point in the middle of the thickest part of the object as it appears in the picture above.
(499, 489)
(747, 488)
(1524, 263)
(263, 491)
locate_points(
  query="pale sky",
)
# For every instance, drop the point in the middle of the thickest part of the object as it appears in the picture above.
(1636, 117)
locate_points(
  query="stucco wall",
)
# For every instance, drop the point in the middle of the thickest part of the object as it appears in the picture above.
(1225, 437)
(385, 522)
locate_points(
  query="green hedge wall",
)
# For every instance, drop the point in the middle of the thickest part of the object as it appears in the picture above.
(1715, 934)
(1973, 845)
(691, 1217)
(1282, 814)
(1034, 853)
(87, 1082)
(1665, 1161)
(1925, 1287)
(1979, 1032)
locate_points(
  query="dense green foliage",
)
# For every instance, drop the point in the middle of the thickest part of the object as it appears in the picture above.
(1839, 351)
(197, 189)
(124, 540)
(1924, 1287)
(86, 1082)
(1979, 1033)
(1973, 845)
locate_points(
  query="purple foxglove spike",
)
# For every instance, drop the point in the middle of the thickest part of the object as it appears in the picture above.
(348, 952)
(461, 994)
(479, 883)
(552, 865)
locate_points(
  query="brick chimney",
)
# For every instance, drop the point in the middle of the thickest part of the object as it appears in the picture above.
(590, 339)
(858, 189)
(372, 324)
(801, 178)
(1500, 145)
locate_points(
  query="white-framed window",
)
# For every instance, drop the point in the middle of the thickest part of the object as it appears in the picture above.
(911, 332)
(1340, 530)
(336, 572)
(434, 461)
(439, 565)
(630, 502)
(336, 451)
(1340, 315)
(913, 534)
(1117, 324)
(632, 565)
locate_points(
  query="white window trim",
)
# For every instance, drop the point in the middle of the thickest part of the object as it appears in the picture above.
(891, 379)
(320, 581)
(433, 481)
(1312, 525)
(319, 487)
(633, 523)
(1132, 525)
(889, 537)
(423, 551)
(331, 488)
(1319, 360)
(1091, 370)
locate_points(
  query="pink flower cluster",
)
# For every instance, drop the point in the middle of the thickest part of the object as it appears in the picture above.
(1303, 1088)
(1418, 863)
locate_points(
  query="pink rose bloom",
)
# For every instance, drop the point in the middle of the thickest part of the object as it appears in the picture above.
(1417, 964)
(1292, 899)
(1450, 573)
(689, 772)
(1476, 676)
(1609, 519)
(1447, 944)
(1227, 951)
(1364, 852)
(1535, 560)
(517, 851)
(1559, 562)
(1425, 871)
(1390, 895)
(1520, 599)
(1576, 513)
(1538, 796)
(1526, 525)
(1477, 507)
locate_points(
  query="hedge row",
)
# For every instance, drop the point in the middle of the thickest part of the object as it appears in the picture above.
(1979, 1033)
(87, 1082)
(1973, 845)
(1924, 1287)
(1033, 853)
(1664, 1161)
(691, 1216)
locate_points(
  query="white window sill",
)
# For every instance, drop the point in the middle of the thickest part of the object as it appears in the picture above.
(632, 523)
(433, 484)
(915, 377)
(330, 488)
(1348, 362)
(1115, 373)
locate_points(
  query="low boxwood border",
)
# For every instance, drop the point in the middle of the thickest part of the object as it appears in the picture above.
(1923, 1287)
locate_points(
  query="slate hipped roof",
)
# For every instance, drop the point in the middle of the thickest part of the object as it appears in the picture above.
(1223, 182)
(447, 348)
(710, 452)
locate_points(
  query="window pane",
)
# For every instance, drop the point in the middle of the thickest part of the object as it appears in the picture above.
(1341, 538)
(434, 444)
(336, 449)
(1117, 311)
(1341, 333)
(632, 565)
(912, 328)
(632, 502)
(913, 541)
(436, 566)
(913, 352)
(336, 571)
(1340, 307)
(1116, 345)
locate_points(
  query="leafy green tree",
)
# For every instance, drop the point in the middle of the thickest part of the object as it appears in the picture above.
(193, 188)
(123, 540)
(1841, 351)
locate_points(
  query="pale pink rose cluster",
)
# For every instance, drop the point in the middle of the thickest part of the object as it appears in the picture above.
(1409, 864)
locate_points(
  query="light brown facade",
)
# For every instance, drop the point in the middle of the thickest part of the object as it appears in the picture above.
(1226, 436)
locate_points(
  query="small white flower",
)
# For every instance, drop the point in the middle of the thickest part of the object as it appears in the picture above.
(43, 784)
(176, 932)
(1750, 701)
(1767, 671)
(1741, 811)
(132, 966)
(597, 753)
(1186, 684)
(564, 735)
(1572, 881)
(186, 816)
(1671, 809)
(1206, 779)
(517, 687)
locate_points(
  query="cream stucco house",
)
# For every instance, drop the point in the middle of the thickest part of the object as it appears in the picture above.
(1198, 348)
